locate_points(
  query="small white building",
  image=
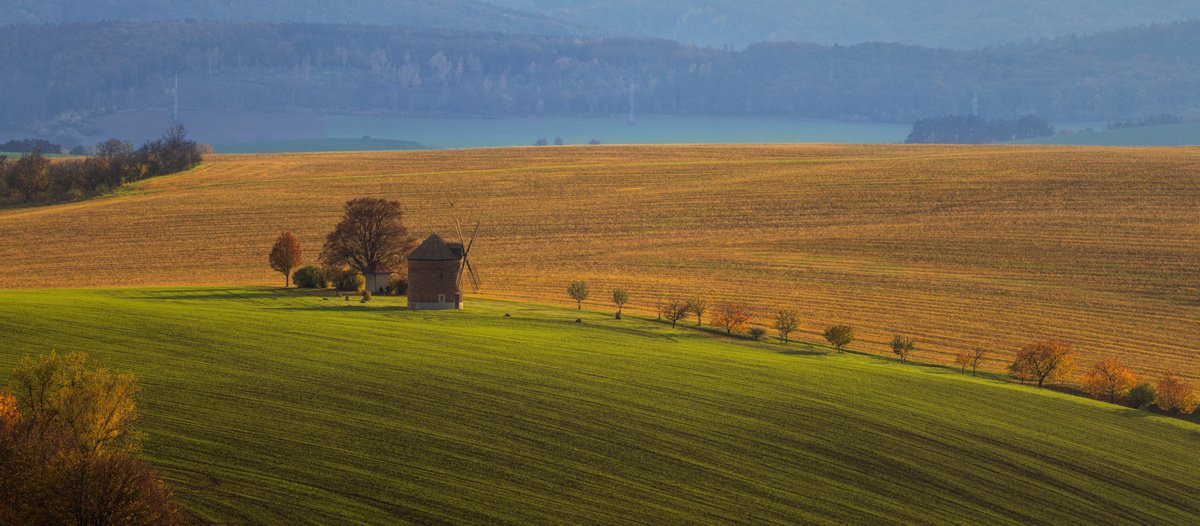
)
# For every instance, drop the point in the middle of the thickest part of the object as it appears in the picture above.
(378, 279)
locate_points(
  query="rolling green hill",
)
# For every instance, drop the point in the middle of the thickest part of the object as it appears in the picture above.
(1183, 134)
(268, 407)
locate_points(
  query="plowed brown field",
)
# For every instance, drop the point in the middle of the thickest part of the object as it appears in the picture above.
(961, 247)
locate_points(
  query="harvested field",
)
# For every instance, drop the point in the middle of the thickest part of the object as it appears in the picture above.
(960, 247)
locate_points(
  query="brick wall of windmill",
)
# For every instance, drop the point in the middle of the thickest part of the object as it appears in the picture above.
(433, 281)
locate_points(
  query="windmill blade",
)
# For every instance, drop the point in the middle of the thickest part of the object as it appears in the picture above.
(458, 227)
(474, 276)
(467, 249)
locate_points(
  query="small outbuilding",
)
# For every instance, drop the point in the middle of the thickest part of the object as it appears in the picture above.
(378, 279)
(435, 275)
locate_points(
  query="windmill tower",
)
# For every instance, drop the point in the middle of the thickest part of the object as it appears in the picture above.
(436, 270)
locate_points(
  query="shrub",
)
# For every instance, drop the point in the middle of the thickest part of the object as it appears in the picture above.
(1141, 396)
(366, 296)
(310, 277)
(757, 333)
(345, 279)
(399, 286)
(839, 336)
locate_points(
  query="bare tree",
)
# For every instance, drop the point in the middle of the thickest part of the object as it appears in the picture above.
(786, 322)
(676, 310)
(371, 231)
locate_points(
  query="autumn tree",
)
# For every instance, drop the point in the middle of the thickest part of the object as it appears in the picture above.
(1108, 378)
(675, 310)
(786, 322)
(1172, 393)
(66, 449)
(1049, 360)
(977, 358)
(698, 306)
(285, 256)
(962, 360)
(731, 317)
(620, 297)
(578, 291)
(902, 347)
(839, 336)
(371, 231)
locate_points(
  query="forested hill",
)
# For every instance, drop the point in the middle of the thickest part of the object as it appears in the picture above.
(956, 24)
(470, 15)
(71, 70)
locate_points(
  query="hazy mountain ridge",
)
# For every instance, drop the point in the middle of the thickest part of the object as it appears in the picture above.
(957, 24)
(75, 70)
(469, 15)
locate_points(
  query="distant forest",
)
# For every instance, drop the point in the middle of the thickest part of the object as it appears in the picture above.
(56, 75)
(972, 129)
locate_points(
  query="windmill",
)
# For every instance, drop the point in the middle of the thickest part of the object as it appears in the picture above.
(466, 248)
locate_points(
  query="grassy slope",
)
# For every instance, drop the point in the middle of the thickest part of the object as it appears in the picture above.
(1183, 134)
(271, 408)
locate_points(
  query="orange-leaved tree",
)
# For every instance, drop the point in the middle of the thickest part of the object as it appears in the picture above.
(732, 317)
(285, 256)
(1109, 379)
(1174, 393)
(67, 444)
(962, 360)
(1043, 361)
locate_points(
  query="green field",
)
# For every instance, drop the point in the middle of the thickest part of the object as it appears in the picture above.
(1184, 134)
(289, 408)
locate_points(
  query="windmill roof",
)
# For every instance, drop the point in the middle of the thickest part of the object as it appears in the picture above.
(436, 249)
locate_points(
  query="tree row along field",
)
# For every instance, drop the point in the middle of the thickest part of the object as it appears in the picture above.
(958, 247)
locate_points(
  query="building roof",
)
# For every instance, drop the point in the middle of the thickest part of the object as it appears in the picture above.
(436, 249)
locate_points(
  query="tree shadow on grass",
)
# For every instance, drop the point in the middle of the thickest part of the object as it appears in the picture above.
(800, 352)
(351, 307)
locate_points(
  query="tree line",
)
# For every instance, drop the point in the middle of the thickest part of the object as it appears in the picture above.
(56, 76)
(33, 178)
(1044, 363)
(973, 129)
